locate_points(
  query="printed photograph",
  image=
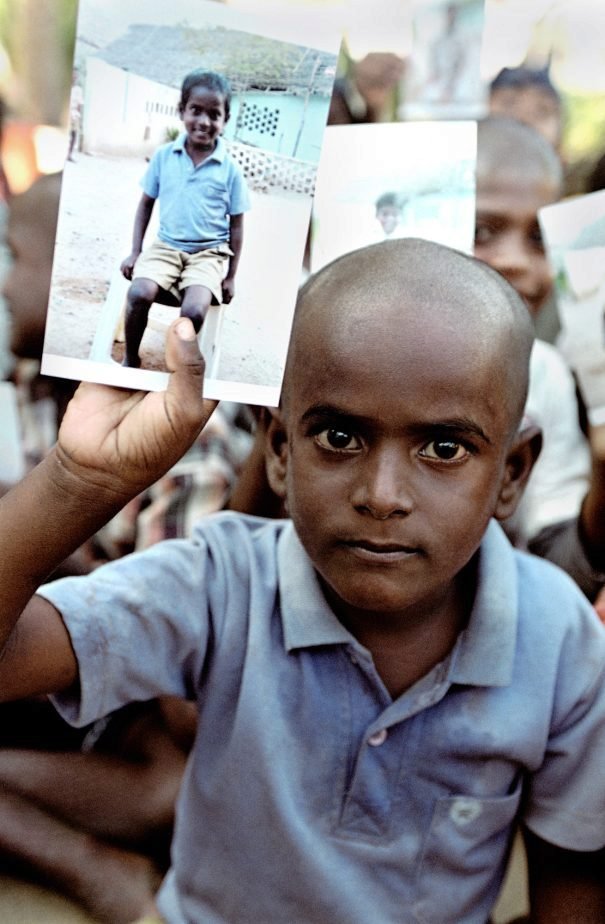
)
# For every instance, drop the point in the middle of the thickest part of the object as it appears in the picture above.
(443, 78)
(194, 141)
(412, 179)
(574, 232)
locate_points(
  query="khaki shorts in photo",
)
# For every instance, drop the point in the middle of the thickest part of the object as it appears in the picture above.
(175, 270)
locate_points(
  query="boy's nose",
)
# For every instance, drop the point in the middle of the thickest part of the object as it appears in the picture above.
(382, 489)
(512, 256)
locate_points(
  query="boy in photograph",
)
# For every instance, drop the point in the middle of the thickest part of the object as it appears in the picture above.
(528, 94)
(388, 213)
(385, 687)
(203, 197)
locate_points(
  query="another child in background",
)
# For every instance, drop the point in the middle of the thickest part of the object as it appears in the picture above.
(528, 95)
(202, 195)
(562, 515)
(384, 686)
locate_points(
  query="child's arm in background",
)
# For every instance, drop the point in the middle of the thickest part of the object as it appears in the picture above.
(141, 222)
(236, 240)
(565, 886)
(592, 516)
(578, 544)
(112, 444)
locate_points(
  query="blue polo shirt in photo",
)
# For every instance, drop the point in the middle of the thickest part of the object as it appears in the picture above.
(196, 202)
(311, 796)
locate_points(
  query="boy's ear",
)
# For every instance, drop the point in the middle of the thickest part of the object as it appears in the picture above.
(520, 460)
(276, 452)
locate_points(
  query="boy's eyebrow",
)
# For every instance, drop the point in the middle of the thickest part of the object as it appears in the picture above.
(456, 426)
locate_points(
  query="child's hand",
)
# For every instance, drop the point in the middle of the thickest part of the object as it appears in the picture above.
(228, 290)
(127, 265)
(122, 441)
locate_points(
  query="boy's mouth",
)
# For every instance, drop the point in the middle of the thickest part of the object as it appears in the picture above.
(368, 550)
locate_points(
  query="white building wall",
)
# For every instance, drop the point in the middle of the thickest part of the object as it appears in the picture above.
(125, 113)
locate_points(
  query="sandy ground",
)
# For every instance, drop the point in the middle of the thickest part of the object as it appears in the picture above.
(99, 199)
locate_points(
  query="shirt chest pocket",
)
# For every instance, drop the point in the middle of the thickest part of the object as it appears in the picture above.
(468, 838)
(215, 196)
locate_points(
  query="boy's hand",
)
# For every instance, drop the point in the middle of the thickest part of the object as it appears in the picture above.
(228, 290)
(122, 441)
(127, 265)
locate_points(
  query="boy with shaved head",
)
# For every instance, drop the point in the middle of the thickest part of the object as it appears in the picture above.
(384, 686)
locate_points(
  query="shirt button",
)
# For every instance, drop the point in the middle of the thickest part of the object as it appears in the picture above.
(463, 811)
(378, 738)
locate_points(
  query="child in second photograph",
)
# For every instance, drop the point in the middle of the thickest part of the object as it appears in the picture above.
(202, 195)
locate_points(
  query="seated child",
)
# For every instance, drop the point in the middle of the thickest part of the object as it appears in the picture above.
(562, 515)
(203, 196)
(384, 685)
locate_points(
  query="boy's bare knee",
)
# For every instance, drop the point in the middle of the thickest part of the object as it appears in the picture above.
(142, 292)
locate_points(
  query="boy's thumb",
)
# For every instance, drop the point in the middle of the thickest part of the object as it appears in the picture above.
(186, 365)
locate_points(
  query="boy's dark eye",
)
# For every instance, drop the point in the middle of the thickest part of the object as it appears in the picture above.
(483, 233)
(536, 239)
(444, 451)
(337, 440)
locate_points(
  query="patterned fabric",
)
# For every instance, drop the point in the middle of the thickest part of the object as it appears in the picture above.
(199, 484)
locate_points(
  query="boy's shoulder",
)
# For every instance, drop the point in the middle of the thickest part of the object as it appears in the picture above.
(534, 609)
(240, 541)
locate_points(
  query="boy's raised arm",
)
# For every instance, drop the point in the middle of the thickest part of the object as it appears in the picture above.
(112, 444)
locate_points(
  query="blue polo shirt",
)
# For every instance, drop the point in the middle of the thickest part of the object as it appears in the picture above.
(195, 201)
(313, 797)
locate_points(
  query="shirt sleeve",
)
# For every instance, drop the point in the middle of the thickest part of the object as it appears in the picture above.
(239, 197)
(560, 477)
(140, 627)
(150, 182)
(565, 797)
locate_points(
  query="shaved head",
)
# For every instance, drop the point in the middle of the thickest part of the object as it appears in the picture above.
(379, 294)
(508, 147)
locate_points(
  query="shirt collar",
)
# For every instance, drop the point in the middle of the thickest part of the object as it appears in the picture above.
(486, 649)
(178, 147)
(306, 617)
(484, 652)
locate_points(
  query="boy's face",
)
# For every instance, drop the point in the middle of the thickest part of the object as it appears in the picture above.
(390, 451)
(204, 118)
(530, 105)
(507, 233)
(388, 216)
